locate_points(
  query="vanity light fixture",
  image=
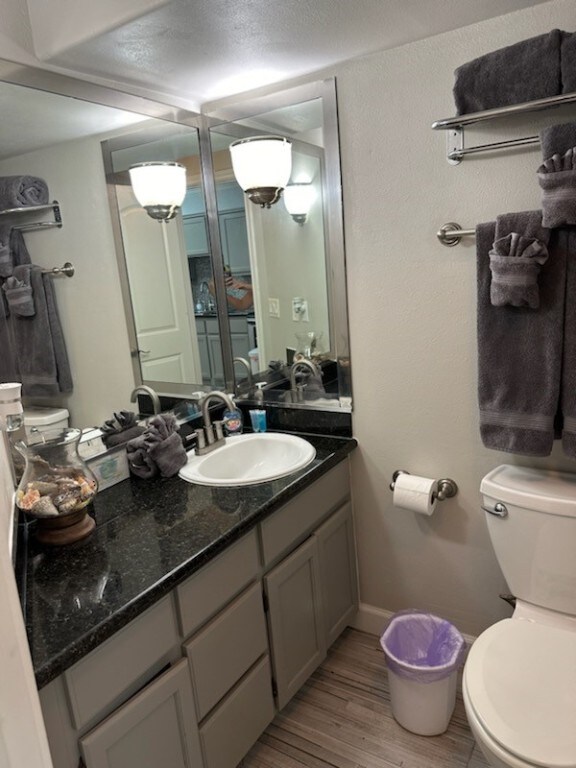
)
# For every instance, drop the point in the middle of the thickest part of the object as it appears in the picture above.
(262, 166)
(159, 187)
(298, 199)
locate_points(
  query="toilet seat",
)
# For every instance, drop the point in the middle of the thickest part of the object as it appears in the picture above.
(520, 678)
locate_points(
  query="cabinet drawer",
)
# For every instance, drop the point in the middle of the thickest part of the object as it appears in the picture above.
(229, 733)
(224, 650)
(293, 522)
(121, 665)
(205, 593)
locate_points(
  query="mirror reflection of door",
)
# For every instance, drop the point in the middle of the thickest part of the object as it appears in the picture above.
(167, 346)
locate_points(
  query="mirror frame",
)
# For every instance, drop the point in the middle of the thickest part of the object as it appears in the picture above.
(246, 107)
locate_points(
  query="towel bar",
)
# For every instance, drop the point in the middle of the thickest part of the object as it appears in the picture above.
(67, 269)
(450, 234)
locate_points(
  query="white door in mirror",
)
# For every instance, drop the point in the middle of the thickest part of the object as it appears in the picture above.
(249, 459)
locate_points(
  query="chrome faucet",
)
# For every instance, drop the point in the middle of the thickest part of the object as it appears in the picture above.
(211, 436)
(246, 364)
(156, 407)
(297, 390)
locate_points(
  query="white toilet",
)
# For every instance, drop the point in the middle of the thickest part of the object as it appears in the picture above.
(519, 682)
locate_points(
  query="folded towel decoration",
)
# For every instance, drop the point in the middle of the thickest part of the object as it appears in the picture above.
(120, 429)
(22, 191)
(557, 178)
(515, 263)
(19, 297)
(520, 350)
(158, 449)
(528, 70)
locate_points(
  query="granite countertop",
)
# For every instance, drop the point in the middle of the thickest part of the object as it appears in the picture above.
(150, 535)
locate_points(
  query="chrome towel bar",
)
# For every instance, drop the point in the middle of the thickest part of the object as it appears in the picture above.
(450, 234)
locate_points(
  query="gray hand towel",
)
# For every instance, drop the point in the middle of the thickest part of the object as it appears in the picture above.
(557, 139)
(6, 264)
(566, 243)
(515, 263)
(519, 350)
(165, 444)
(521, 72)
(19, 297)
(557, 178)
(568, 62)
(139, 462)
(22, 191)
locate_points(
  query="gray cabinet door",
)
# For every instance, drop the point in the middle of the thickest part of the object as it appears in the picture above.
(155, 728)
(295, 619)
(234, 239)
(338, 575)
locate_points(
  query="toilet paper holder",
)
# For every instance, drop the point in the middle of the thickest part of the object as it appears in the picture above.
(446, 487)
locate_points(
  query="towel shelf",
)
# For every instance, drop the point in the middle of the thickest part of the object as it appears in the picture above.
(33, 226)
(455, 149)
(450, 234)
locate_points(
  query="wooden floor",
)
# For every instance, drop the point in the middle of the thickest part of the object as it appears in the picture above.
(342, 718)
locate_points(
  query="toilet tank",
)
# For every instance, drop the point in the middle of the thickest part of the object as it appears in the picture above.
(535, 542)
(37, 419)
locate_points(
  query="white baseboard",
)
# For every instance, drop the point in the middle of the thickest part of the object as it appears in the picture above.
(374, 620)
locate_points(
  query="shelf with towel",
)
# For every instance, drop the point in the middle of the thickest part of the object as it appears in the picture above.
(455, 149)
(36, 225)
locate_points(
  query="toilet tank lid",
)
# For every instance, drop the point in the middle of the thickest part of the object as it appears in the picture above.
(540, 490)
(36, 416)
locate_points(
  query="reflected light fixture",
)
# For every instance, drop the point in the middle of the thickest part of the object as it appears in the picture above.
(159, 187)
(262, 166)
(298, 199)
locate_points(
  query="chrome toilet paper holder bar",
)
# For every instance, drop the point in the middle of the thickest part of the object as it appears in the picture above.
(447, 488)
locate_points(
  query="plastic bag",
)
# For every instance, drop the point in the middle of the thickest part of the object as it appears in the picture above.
(423, 647)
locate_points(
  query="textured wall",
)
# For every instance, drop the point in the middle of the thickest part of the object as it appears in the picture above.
(412, 313)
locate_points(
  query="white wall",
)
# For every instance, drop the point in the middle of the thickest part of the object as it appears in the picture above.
(90, 303)
(412, 313)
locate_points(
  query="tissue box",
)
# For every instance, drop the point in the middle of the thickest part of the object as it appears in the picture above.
(109, 466)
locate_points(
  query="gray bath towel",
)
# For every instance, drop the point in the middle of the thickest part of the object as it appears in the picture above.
(22, 191)
(139, 460)
(6, 264)
(515, 263)
(568, 62)
(519, 349)
(557, 139)
(566, 243)
(557, 178)
(521, 72)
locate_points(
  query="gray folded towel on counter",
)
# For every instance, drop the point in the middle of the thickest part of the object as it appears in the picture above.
(519, 350)
(22, 191)
(515, 263)
(521, 72)
(121, 428)
(557, 178)
(19, 296)
(557, 139)
(140, 462)
(165, 444)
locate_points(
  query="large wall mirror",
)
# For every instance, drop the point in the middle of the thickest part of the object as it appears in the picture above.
(291, 264)
(138, 283)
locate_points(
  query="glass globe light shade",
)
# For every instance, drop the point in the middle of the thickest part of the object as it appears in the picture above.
(298, 199)
(262, 167)
(160, 188)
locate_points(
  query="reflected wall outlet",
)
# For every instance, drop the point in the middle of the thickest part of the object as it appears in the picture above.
(299, 310)
(274, 307)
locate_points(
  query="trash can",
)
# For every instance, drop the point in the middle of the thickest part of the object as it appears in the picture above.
(423, 653)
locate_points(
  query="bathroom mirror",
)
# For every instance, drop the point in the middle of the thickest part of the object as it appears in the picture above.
(294, 266)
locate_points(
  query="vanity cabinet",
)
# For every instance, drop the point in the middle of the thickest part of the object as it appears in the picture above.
(194, 680)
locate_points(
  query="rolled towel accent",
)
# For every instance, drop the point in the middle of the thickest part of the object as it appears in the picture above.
(557, 177)
(521, 72)
(120, 429)
(515, 263)
(165, 445)
(140, 463)
(19, 297)
(22, 191)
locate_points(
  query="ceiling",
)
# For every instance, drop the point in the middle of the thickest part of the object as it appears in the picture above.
(203, 50)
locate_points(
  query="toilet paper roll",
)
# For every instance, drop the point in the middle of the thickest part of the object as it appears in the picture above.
(415, 493)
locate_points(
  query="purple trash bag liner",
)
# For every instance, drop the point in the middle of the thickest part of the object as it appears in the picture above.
(422, 647)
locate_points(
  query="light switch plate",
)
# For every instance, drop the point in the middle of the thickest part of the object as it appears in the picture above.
(274, 307)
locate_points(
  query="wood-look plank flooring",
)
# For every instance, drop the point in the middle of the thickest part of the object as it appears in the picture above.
(342, 718)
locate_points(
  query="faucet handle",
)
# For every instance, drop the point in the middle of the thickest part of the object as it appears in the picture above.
(219, 429)
(200, 438)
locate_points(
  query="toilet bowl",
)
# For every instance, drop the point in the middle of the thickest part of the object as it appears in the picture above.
(519, 681)
(519, 688)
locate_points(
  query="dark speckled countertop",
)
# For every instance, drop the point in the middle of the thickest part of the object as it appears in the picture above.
(150, 535)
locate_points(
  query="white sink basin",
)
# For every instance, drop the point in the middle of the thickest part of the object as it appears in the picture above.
(249, 459)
